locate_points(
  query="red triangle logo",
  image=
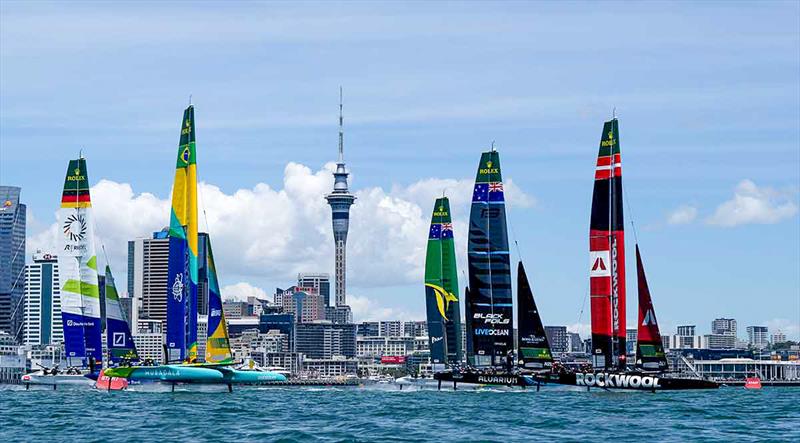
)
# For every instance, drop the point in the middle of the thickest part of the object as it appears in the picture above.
(598, 264)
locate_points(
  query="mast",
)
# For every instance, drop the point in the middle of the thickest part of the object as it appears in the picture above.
(77, 263)
(607, 255)
(490, 301)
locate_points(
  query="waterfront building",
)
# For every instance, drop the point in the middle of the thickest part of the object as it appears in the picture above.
(384, 346)
(291, 361)
(778, 337)
(329, 367)
(283, 323)
(421, 343)
(13, 217)
(415, 328)
(340, 201)
(42, 306)
(719, 341)
(724, 326)
(237, 326)
(740, 368)
(49, 356)
(324, 340)
(687, 330)
(558, 338)
(758, 336)
(12, 359)
(149, 339)
(321, 283)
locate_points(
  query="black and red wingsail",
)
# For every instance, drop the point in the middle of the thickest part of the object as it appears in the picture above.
(607, 254)
(649, 347)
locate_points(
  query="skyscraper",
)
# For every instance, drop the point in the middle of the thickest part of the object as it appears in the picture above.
(758, 336)
(42, 301)
(340, 201)
(12, 259)
(148, 280)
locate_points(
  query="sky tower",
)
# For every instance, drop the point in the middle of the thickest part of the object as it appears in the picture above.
(340, 200)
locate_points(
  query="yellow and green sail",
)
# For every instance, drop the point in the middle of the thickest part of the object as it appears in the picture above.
(182, 274)
(218, 348)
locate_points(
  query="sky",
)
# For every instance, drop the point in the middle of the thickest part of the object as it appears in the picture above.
(707, 94)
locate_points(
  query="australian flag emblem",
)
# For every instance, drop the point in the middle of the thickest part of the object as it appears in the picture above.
(435, 232)
(447, 230)
(481, 192)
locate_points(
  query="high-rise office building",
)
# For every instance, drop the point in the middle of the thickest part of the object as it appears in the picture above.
(324, 340)
(723, 326)
(686, 331)
(147, 284)
(340, 201)
(320, 282)
(202, 274)
(12, 260)
(758, 336)
(42, 302)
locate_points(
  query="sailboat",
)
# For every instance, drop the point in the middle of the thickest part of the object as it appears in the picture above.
(607, 294)
(441, 289)
(489, 305)
(119, 342)
(80, 296)
(182, 363)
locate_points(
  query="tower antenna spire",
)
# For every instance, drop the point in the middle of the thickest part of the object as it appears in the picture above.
(341, 129)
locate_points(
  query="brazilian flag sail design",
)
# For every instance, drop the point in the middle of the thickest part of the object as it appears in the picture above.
(218, 348)
(118, 334)
(491, 318)
(77, 267)
(441, 287)
(182, 269)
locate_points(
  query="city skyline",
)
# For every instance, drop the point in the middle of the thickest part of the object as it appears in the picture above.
(413, 134)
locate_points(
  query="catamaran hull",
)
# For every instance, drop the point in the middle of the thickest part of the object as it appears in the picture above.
(456, 380)
(52, 380)
(626, 381)
(236, 376)
(168, 373)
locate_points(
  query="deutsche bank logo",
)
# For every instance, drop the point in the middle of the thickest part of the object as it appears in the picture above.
(119, 339)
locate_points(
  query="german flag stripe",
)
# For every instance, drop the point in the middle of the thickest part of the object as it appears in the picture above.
(71, 198)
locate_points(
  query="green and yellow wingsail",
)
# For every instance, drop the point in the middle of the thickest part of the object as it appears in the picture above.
(441, 288)
(218, 347)
(182, 276)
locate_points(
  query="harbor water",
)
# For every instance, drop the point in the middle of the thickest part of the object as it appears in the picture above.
(371, 414)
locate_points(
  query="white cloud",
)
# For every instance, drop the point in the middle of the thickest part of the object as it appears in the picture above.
(367, 309)
(240, 291)
(753, 204)
(582, 329)
(274, 234)
(682, 215)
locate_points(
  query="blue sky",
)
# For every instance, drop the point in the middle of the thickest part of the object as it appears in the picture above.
(708, 96)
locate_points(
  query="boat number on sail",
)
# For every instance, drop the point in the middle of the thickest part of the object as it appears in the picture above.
(606, 380)
(600, 264)
(490, 212)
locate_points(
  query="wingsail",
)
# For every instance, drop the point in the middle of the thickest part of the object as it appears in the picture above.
(119, 341)
(534, 349)
(218, 347)
(649, 347)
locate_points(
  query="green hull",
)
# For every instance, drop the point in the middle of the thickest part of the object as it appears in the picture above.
(168, 373)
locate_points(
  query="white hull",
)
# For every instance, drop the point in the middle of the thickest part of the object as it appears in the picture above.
(38, 378)
(429, 384)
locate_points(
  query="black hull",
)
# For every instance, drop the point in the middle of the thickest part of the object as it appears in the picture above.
(451, 379)
(627, 381)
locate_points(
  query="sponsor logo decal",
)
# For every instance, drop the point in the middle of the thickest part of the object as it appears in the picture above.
(119, 339)
(649, 318)
(599, 262)
(443, 299)
(216, 312)
(614, 285)
(487, 331)
(436, 339)
(493, 319)
(610, 141)
(177, 288)
(497, 379)
(606, 380)
(75, 228)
